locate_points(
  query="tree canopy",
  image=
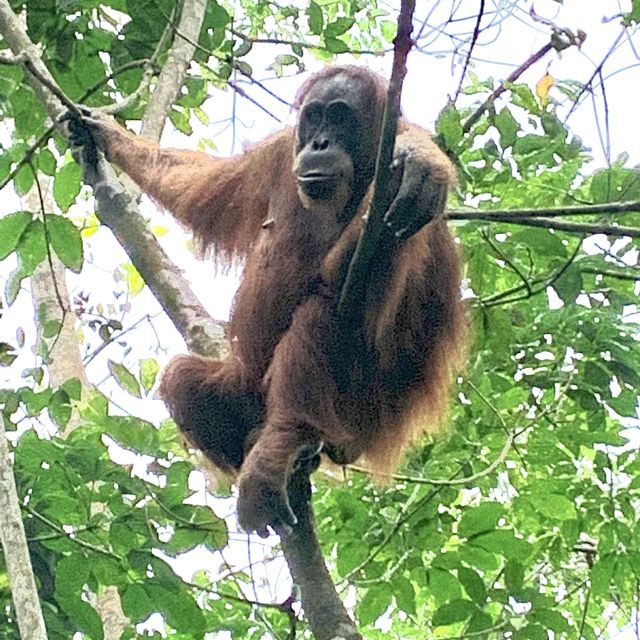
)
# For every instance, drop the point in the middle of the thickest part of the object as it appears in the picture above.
(521, 523)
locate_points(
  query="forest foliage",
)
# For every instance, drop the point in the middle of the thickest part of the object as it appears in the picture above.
(523, 522)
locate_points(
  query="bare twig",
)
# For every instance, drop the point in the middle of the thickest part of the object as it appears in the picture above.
(474, 39)
(588, 85)
(240, 91)
(297, 43)
(501, 457)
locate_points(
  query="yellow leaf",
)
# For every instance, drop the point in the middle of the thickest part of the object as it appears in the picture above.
(159, 231)
(133, 279)
(543, 86)
(87, 232)
(88, 224)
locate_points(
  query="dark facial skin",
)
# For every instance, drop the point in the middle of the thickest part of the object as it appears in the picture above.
(334, 140)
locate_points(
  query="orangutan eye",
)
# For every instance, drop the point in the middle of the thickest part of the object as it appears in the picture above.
(313, 114)
(340, 113)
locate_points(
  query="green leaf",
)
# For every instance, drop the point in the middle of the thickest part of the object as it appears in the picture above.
(634, 14)
(514, 576)
(7, 354)
(124, 378)
(388, 29)
(180, 120)
(374, 603)
(479, 558)
(179, 608)
(504, 543)
(444, 586)
(287, 59)
(479, 519)
(541, 242)
(405, 594)
(176, 488)
(67, 185)
(507, 126)
(350, 555)
(552, 620)
(452, 612)
(47, 162)
(66, 241)
(94, 407)
(473, 585)
(316, 19)
(479, 623)
(602, 573)
(133, 433)
(554, 506)
(569, 285)
(14, 282)
(134, 280)
(149, 368)
(32, 248)
(338, 27)
(136, 603)
(35, 401)
(51, 328)
(449, 127)
(23, 180)
(71, 573)
(73, 388)
(29, 114)
(531, 632)
(60, 408)
(334, 45)
(553, 126)
(596, 375)
(204, 528)
(11, 229)
(530, 143)
(625, 404)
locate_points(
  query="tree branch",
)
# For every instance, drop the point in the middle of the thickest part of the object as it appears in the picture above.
(118, 211)
(323, 608)
(327, 616)
(632, 206)
(584, 228)
(373, 224)
(175, 68)
(547, 218)
(16, 551)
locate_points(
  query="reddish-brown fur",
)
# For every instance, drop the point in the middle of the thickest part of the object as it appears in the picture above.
(292, 379)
